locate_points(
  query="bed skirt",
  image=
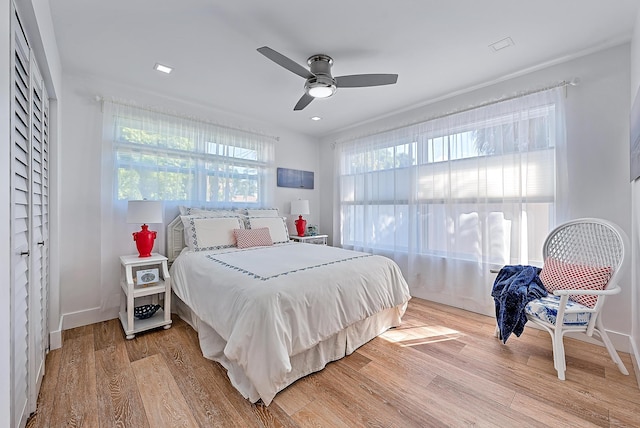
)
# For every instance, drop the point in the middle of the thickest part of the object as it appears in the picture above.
(312, 360)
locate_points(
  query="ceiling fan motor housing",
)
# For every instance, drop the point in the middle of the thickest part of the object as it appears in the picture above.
(320, 64)
(322, 85)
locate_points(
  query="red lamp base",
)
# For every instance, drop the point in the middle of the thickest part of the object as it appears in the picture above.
(144, 240)
(301, 226)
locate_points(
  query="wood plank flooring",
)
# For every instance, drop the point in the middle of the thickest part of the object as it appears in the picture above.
(442, 367)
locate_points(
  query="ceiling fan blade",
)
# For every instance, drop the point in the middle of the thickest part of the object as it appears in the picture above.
(303, 102)
(361, 80)
(285, 62)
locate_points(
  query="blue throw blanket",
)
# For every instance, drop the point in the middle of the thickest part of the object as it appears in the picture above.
(515, 286)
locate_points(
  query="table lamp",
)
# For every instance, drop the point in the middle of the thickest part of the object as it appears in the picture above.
(301, 206)
(144, 212)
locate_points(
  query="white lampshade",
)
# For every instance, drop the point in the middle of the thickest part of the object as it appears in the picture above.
(299, 207)
(145, 212)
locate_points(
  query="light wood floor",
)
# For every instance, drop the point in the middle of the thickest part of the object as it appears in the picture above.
(442, 367)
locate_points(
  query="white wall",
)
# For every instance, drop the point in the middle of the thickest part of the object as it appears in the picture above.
(635, 237)
(598, 146)
(88, 270)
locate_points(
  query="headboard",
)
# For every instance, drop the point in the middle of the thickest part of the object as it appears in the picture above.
(175, 238)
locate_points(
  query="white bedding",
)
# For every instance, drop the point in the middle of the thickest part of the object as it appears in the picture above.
(272, 303)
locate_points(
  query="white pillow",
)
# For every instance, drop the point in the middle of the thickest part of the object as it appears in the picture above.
(277, 227)
(262, 212)
(210, 233)
(204, 212)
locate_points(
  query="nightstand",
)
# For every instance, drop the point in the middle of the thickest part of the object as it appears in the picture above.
(136, 269)
(311, 239)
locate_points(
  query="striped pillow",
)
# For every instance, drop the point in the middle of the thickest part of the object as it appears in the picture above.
(247, 238)
(558, 275)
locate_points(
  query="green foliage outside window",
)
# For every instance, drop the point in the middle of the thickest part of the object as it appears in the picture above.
(167, 166)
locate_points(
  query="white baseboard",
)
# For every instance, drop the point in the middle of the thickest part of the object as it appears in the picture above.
(88, 316)
(635, 358)
(55, 338)
(621, 341)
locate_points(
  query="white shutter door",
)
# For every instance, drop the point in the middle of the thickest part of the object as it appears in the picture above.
(37, 332)
(20, 181)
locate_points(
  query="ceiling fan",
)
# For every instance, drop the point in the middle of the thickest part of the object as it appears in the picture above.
(320, 83)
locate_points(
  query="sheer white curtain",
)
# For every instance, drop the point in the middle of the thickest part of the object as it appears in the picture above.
(158, 155)
(452, 197)
(155, 155)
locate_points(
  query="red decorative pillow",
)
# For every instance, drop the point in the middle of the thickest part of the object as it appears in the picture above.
(558, 275)
(246, 238)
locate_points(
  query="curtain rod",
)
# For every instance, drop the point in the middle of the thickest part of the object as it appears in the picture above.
(564, 83)
(101, 99)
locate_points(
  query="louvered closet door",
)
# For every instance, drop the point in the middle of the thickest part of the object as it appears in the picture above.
(38, 268)
(20, 224)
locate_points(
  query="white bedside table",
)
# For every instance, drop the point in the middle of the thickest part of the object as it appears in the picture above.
(311, 239)
(158, 289)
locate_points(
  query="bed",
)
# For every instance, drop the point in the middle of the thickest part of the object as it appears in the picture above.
(271, 310)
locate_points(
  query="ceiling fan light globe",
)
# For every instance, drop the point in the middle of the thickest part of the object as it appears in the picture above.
(321, 91)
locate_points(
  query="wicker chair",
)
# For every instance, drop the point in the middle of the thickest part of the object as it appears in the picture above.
(576, 254)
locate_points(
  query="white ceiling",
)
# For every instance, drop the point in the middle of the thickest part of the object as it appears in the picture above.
(435, 47)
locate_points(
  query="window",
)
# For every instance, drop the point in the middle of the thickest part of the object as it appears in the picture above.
(477, 186)
(165, 157)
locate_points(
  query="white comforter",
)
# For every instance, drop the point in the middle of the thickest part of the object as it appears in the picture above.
(270, 303)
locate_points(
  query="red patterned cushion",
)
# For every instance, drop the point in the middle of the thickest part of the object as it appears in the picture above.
(246, 238)
(558, 275)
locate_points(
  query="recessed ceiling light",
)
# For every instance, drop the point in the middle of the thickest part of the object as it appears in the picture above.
(315, 118)
(501, 44)
(162, 68)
